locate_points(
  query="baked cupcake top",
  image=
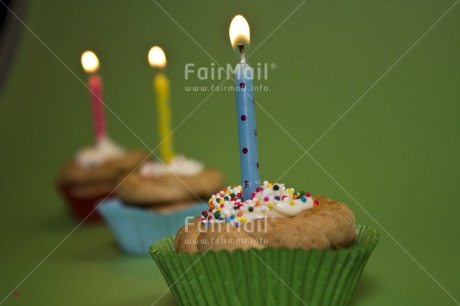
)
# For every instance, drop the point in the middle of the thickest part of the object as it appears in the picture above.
(275, 216)
(102, 151)
(158, 184)
(101, 163)
(269, 200)
(179, 165)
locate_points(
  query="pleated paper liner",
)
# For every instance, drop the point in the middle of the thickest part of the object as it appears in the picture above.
(82, 207)
(135, 229)
(269, 276)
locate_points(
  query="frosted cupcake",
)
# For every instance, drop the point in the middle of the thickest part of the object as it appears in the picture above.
(93, 174)
(280, 247)
(268, 244)
(154, 202)
(275, 216)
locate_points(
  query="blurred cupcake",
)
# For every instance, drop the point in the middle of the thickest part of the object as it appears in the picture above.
(154, 202)
(279, 247)
(93, 174)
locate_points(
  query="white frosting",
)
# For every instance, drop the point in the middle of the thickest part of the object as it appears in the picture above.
(269, 200)
(180, 165)
(104, 150)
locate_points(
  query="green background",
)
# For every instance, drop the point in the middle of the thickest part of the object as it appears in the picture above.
(393, 157)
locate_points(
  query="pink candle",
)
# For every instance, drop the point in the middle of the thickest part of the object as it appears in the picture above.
(95, 85)
(90, 64)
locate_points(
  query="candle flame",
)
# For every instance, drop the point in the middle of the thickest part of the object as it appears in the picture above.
(89, 61)
(157, 58)
(239, 31)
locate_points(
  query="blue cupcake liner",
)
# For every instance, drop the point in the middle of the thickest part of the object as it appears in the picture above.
(135, 229)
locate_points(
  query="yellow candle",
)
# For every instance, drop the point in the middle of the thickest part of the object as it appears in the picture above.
(157, 59)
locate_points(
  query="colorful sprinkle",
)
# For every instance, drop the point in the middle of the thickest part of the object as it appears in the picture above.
(263, 199)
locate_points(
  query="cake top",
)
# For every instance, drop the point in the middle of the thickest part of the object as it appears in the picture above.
(104, 150)
(269, 200)
(179, 165)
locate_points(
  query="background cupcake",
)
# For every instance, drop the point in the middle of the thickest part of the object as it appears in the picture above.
(154, 202)
(93, 173)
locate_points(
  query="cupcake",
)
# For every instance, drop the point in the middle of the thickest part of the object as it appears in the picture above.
(280, 247)
(267, 244)
(153, 202)
(93, 174)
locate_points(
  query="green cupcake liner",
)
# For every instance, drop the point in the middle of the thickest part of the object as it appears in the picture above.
(270, 276)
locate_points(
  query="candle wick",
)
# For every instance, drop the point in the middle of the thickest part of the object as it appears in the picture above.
(242, 53)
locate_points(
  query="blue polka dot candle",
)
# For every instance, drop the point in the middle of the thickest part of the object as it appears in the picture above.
(247, 133)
